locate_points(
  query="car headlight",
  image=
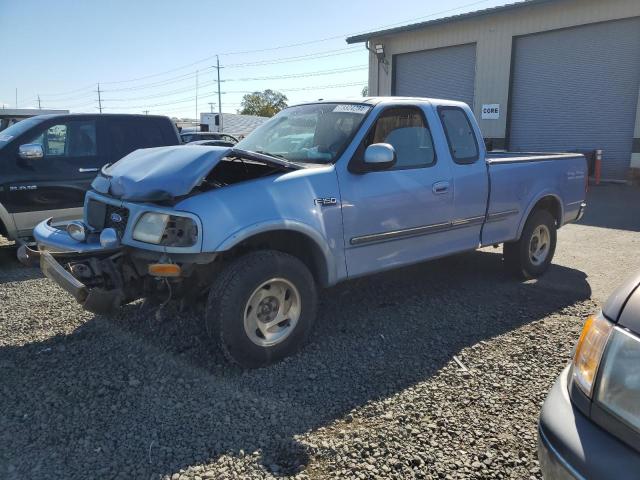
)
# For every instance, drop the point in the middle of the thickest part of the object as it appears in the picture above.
(586, 360)
(167, 230)
(619, 384)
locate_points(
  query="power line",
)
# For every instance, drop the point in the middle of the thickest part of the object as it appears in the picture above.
(298, 44)
(261, 50)
(315, 73)
(210, 94)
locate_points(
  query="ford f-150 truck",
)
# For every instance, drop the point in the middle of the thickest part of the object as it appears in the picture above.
(321, 193)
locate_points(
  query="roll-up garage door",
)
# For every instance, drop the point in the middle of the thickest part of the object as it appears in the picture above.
(578, 89)
(440, 73)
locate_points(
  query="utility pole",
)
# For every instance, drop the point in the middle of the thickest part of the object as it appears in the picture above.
(99, 99)
(16, 98)
(39, 105)
(220, 126)
(196, 99)
(211, 104)
(146, 112)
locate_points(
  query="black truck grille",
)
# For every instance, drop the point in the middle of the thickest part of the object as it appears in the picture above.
(101, 215)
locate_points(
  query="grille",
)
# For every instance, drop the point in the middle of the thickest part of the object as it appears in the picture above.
(116, 218)
(101, 216)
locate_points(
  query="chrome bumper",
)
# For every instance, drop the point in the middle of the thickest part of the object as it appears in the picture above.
(55, 240)
(56, 272)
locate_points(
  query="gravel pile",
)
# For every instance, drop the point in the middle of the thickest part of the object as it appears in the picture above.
(376, 394)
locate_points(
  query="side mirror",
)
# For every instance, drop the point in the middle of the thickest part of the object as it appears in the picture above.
(379, 156)
(31, 151)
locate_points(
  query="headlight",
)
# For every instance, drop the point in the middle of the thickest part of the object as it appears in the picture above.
(168, 230)
(589, 350)
(619, 385)
(150, 227)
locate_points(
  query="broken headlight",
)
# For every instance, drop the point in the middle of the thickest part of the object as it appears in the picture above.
(167, 230)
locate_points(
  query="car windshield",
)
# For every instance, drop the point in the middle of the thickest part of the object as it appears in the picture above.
(17, 129)
(314, 133)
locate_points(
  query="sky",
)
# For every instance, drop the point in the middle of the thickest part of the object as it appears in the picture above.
(148, 55)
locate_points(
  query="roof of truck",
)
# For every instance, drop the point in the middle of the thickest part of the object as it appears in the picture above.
(378, 100)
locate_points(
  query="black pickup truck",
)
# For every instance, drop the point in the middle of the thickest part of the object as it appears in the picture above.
(48, 162)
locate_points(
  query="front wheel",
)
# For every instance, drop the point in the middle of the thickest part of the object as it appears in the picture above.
(531, 256)
(261, 308)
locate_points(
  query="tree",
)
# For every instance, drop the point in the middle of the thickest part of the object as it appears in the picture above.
(365, 91)
(264, 104)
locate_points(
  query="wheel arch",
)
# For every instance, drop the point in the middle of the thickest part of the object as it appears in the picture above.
(547, 201)
(7, 227)
(293, 238)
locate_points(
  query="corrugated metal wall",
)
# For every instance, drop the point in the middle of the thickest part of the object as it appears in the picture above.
(441, 73)
(578, 88)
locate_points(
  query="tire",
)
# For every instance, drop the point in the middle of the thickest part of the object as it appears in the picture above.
(252, 292)
(526, 258)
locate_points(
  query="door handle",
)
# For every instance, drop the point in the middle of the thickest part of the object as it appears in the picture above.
(85, 170)
(440, 187)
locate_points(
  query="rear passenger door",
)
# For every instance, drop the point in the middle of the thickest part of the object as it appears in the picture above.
(470, 177)
(129, 134)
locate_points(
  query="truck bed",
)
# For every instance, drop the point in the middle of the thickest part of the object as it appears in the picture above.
(518, 180)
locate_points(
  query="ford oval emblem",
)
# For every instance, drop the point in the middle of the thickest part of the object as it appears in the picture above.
(116, 218)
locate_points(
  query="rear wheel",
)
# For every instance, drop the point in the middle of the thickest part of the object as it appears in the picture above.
(261, 308)
(531, 255)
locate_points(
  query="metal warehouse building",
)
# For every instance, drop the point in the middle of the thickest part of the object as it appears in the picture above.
(540, 75)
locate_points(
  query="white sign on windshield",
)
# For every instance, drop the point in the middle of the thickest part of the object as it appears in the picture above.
(350, 108)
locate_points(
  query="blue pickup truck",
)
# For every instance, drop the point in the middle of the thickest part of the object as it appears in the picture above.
(322, 193)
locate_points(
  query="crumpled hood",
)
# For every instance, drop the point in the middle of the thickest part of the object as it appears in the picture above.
(157, 174)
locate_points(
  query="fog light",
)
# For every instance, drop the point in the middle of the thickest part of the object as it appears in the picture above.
(77, 231)
(109, 238)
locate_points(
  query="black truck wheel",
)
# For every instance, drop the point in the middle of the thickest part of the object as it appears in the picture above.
(530, 256)
(261, 308)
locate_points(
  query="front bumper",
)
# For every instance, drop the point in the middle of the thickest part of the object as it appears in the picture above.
(96, 300)
(571, 446)
(55, 240)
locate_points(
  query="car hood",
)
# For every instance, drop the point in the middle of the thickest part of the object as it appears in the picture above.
(164, 173)
(620, 296)
(156, 174)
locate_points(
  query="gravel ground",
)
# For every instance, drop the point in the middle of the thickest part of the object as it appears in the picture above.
(376, 394)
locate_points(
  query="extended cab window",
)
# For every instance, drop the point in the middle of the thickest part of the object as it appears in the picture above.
(460, 134)
(406, 130)
(71, 139)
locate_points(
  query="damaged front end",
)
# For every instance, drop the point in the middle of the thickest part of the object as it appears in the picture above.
(134, 241)
(103, 276)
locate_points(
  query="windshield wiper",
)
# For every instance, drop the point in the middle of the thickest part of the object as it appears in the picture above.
(266, 157)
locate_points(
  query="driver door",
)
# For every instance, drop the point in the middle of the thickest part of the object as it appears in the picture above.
(400, 215)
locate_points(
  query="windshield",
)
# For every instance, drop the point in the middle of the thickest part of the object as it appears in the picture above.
(17, 129)
(315, 133)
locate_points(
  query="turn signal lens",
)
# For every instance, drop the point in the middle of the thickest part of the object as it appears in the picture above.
(586, 360)
(165, 270)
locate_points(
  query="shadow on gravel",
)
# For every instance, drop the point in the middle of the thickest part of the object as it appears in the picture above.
(613, 206)
(136, 397)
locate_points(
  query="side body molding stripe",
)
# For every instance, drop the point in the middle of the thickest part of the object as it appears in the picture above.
(429, 229)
